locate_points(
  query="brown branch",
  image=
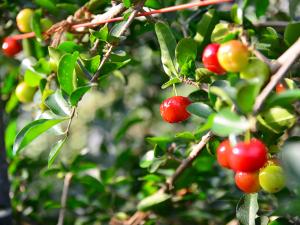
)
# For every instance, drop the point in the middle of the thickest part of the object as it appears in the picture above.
(123, 29)
(64, 197)
(188, 161)
(286, 60)
(201, 86)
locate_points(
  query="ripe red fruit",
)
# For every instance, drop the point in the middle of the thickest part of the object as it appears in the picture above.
(223, 151)
(173, 110)
(11, 46)
(247, 182)
(280, 88)
(210, 59)
(248, 156)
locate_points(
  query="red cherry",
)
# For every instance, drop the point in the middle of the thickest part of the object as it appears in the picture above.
(280, 88)
(210, 59)
(11, 46)
(247, 182)
(248, 156)
(173, 110)
(222, 153)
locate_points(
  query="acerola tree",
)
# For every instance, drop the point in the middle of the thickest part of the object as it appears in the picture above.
(149, 112)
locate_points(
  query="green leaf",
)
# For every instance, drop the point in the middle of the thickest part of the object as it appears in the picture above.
(246, 96)
(167, 44)
(78, 94)
(285, 98)
(55, 151)
(33, 78)
(155, 4)
(186, 50)
(227, 122)
(102, 34)
(292, 33)
(222, 89)
(66, 75)
(92, 64)
(247, 209)
(127, 3)
(32, 131)
(70, 47)
(261, 7)
(47, 4)
(58, 105)
(237, 14)
(223, 32)
(205, 27)
(162, 141)
(200, 109)
(36, 25)
(147, 159)
(153, 200)
(169, 83)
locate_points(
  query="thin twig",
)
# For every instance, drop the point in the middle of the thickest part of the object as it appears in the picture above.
(70, 121)
(188, 161)
(290, 56)
(123, 29)
(64, 198)
(201, 86)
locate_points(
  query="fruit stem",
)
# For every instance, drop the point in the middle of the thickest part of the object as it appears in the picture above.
(247, 137)
(174, 90)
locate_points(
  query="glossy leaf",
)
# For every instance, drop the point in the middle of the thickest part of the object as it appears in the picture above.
(292, 33)
(172, 81)
(200, 109)
(167, 44)
(58, 105)
(32, 131)
(78, 94)
(153, 200)
(186, 50)
(227, 122)
(66, 76)
(55, 151)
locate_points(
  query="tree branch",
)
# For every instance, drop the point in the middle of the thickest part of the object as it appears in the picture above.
(286, 60)
(123, 29)
(64, 198)
(188, 161)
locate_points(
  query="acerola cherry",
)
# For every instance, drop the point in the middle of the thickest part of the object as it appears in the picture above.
(280, 88)
(257, 71)
(210, 59)
(11, 47)
(272, 179)
(24, 92)
(173, 110)
(233, 56)
(222, 153)
(248, 156)
(247, 182)
(24, 20)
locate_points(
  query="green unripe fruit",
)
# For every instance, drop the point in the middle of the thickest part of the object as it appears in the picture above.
(272, 179)
(23, 19)
(46, 23)
(24, 92)
(256, 71)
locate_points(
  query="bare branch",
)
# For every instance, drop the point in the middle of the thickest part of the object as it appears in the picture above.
(187, 162)
(64, 197)
(286, 60)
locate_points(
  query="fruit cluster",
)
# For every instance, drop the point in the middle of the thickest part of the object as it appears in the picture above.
(249, 159)
(253, 170)
(11, 47)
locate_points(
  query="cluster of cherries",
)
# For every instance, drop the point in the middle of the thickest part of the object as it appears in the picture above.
(248, 159)
(11, 47)
(253, 170)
